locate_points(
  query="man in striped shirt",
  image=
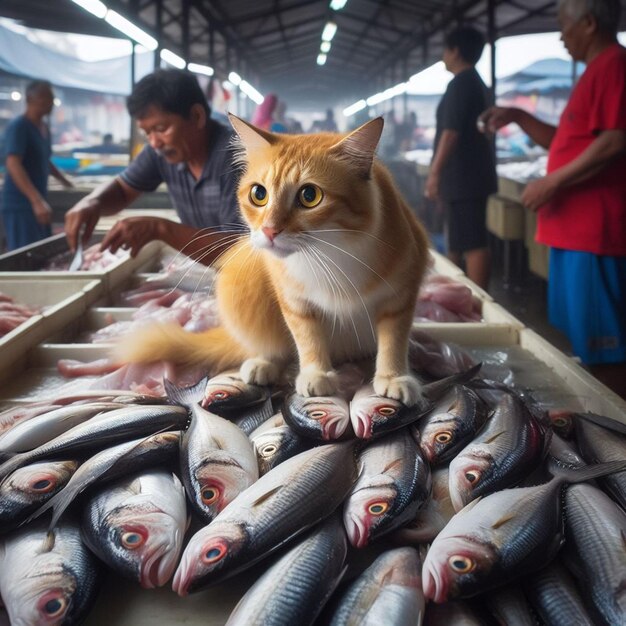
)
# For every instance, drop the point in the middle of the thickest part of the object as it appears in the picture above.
(188, 151)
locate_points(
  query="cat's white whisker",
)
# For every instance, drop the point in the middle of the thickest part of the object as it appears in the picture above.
(352, 230)
(367, 314)
(340, 249)
(326, 273)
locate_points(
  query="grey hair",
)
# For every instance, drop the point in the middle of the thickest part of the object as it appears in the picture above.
(605, 12)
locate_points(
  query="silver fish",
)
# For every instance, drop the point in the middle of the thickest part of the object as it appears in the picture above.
(393, 484)
(136, 526)
(109, 428)
(596, 550)
(451, 424)
(47, 577)
(507, 449)
(500, 537)
(433, 516)
(317, 417)
(110, 464)
(388, 592)
(227, 391)
(554, 596)
(283, 503)
(509, 606)
(274, 442)
(29, 487)
(373, 415)
(599, 445)
(42, 428)
(309, 571)
(217, 459)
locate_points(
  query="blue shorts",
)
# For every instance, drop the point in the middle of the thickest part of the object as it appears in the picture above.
(587, 301)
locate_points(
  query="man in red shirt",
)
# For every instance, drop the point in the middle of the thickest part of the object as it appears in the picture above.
(581, 202)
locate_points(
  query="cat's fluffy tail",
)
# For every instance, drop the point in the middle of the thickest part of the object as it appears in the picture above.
(215, 348)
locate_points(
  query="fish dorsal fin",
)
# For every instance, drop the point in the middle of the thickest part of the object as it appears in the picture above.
(393, 464)
(494, 437)
(507, 517)
(267, 495)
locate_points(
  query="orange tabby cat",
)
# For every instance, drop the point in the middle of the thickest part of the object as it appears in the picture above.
(329, 273)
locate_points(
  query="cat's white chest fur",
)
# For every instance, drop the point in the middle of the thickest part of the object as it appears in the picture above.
(334, 283)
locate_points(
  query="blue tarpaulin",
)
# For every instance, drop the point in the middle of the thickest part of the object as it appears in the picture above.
(21, 57)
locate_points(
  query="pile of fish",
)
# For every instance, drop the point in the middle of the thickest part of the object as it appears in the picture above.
(474, 506)
(13, 314)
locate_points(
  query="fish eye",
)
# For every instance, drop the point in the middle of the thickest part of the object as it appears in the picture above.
(220, 395)
(560, 422)
(214, 554)
(132, 539)
(258, 195)
(387, 411)
(472, 476)
(445, 436)
(42, 485)
(310, 196)
(53, 604)
(268, 450)
(461, 564)
(209, 495)
(377, 508)
(316, 415)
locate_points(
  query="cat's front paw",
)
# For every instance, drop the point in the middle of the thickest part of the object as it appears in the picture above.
(259, 371)
(406, 388)
(315, 382)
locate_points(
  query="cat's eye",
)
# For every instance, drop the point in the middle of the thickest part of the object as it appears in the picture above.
(310, 196)
(258, 195)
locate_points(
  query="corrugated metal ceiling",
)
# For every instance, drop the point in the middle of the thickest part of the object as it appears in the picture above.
(274, 43)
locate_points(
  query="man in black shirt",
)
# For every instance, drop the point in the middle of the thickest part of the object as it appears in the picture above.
(190, 152)
(462, 171)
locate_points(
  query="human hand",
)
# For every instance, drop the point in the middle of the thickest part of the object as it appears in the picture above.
(42, 211)
(84, 212)
(431, 188)
(539, 192)
(494, 118)
(132, 233)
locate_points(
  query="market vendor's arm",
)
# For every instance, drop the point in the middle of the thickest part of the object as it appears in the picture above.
(445, 147)
(603, 150)
(107, 199)
(495, 118)
(203, 245)
(15, 168)
(58, 174)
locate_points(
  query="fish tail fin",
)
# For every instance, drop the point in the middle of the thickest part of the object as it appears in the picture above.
(185, 396)
(214, 348)
(586, 472)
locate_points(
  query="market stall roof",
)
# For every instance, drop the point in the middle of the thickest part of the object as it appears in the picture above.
(274, 44)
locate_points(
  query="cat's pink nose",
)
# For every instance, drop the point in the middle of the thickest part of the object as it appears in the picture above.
(270, 232)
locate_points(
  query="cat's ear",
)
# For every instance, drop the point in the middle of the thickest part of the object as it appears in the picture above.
(251, 137)
(360, 145)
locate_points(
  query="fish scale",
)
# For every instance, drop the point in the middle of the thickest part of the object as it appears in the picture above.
(296, 587)
(596, 528)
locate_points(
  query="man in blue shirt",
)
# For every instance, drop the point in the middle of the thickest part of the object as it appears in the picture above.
(25, 211)
(185, 149)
